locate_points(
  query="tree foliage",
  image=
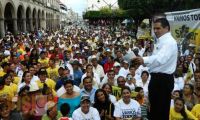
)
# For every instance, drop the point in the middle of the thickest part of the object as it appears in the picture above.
(147, 8)
(106, 13)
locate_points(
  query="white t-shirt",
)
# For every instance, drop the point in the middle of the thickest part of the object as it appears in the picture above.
(131, 86)
(93, 114)
(131, 110)
(123, 72)
(179, 83)
(112, 98)
(139, 83)
(62, 90)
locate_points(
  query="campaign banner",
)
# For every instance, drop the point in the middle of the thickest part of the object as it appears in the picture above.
(185, 28)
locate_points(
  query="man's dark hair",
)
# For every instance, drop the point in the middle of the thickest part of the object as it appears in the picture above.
(137, 89)
(164, 22)
(145, 72)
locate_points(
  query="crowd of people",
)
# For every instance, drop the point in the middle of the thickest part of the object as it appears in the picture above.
(88, 73)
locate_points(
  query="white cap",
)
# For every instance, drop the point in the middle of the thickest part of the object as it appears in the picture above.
(125, 61)
(86, 47)
(93, 57)
(116, 64)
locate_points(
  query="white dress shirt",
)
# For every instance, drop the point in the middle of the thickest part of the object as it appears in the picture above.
(139, 83)
(99, 70)
(164, 57)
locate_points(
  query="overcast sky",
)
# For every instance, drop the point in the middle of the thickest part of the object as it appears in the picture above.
(76, 5)
(81, 5)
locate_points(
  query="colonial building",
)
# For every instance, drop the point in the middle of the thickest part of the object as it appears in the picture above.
(28, 15)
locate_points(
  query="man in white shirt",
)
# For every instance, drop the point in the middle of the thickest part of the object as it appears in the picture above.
(162, 64)
(144, 82)
(89, 68)
(97, 68)
(86, 112)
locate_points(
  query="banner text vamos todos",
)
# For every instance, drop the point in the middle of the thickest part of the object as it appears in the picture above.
(185, 27)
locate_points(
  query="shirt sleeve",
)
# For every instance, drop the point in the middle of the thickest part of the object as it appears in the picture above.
(96, 114)
(117, 111)
(161, 57)
(190, 115)
(75, 115)
(138, 114)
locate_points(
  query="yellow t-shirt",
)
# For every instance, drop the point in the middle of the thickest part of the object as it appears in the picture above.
(50, 83)
(196, 111)
(16, 80)
(44, 62)
(7, 93)
(177, 116)
(2, 73)
(116, 92)
(14, 88)
(53, 73)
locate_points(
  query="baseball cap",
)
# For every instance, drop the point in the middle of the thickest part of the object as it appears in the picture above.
(42, 71)
(116, 64)
(85, 97)
(75, 62)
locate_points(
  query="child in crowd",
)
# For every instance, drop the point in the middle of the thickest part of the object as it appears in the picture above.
(64, 109)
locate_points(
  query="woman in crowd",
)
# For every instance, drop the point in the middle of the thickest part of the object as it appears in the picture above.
(26, 81)
(108, 89)
(103, 105)
(71, 97)
(179, 112)
(34, 56)
(127, 108)
(8, 81)
(7, 114)
(175, 94)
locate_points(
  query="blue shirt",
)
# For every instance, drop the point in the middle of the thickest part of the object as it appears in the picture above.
(74, 103)
(77, 77)
(91, 93)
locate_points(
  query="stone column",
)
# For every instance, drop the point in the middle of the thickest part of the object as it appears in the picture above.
(43, 23)
(2, 29)
(15, 30)
(36, 24)
(31, 24)
(24, 24)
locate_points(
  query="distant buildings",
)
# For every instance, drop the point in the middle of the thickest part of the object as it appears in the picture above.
(28, 15)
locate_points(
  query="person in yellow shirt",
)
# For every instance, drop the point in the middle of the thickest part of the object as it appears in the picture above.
(196, 111)
(5, 67)
(15, 78)
(179, 112)
(42, 74)
(8, 82)
(43, 59)
(52, 70)
(6, 92)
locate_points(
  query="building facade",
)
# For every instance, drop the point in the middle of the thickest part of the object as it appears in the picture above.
(28, 15)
